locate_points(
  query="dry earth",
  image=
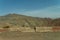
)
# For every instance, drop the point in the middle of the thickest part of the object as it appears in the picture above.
(29, 36)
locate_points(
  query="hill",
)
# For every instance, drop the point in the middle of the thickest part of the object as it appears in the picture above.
(27, 21)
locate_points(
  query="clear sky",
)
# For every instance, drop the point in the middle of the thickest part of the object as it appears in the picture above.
(36, 8)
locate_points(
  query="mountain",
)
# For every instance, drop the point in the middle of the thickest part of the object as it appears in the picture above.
(27, 21)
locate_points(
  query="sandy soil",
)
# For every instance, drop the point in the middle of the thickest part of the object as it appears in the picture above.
(29, 36)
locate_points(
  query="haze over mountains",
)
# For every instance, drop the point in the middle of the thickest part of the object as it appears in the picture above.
(27, 21)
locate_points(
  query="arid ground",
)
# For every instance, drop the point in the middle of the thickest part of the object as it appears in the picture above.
(29, 36)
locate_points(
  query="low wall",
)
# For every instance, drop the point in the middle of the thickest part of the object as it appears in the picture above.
(22, 29)
(43, 29)
(29, 29)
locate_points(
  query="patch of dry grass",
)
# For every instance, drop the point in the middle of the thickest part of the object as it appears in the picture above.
(29, 36)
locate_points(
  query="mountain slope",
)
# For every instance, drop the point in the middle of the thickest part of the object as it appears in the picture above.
(26, 21)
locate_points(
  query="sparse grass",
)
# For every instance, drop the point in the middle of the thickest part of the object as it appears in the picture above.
(29, 36)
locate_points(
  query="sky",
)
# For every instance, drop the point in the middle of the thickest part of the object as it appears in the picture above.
(35, 8)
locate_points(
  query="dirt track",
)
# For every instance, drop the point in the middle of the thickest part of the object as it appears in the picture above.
(29, 36)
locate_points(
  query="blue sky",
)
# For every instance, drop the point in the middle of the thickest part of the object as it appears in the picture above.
(35, 8)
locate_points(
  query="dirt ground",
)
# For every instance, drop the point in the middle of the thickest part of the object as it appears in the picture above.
(29, 36)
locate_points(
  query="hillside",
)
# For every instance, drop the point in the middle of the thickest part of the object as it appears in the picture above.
(27, 21)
